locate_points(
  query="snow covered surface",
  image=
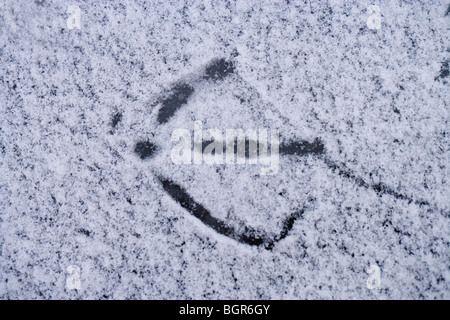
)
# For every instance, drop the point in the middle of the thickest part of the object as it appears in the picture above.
(75, 102)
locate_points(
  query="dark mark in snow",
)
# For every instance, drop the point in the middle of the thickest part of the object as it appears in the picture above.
(444, 72)
(181, 92)
(302, 148)
(171, 104)
(448, 10)
(84, 231)
(288, 224)
(197, 210)
(249, 236)
(145, 149)
(218, 70)
(299, 148)
(116, 119)
(379, 188)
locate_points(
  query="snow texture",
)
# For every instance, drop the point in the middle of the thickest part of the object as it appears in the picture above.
(85, 153)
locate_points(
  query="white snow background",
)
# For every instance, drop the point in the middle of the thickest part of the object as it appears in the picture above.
(73, 191)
